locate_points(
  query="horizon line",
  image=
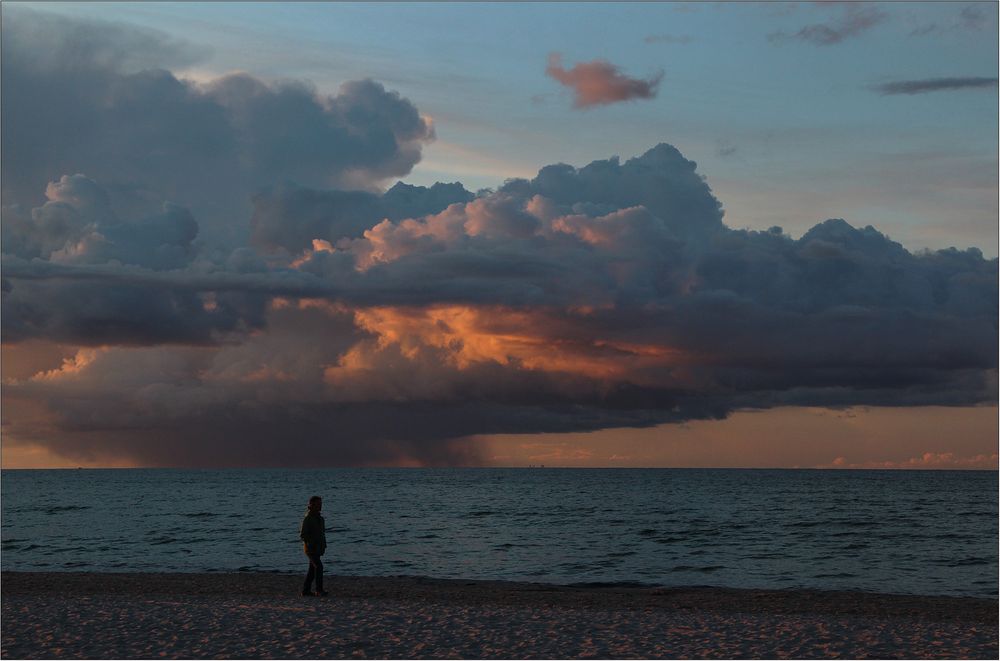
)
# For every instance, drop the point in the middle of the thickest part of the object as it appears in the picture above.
(530, 467)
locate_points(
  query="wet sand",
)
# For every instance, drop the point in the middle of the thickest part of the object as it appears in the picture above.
(244, 615)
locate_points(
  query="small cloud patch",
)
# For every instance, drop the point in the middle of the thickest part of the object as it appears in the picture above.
(935, 85)
(599, 82)
(855, 20)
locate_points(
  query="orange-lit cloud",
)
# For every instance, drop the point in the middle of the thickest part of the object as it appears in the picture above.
(71, 367)
(530, 340)
(318, 245)
(26, 359)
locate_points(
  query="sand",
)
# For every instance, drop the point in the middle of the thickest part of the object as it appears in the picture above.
(244, 615)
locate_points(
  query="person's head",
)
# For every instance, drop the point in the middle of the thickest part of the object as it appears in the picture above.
(315, 504)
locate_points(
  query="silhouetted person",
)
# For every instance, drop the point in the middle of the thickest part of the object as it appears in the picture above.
(313, 534)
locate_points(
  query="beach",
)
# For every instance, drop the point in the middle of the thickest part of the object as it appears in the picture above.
(255, 615)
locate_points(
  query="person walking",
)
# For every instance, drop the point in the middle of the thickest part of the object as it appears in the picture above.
(313, 535)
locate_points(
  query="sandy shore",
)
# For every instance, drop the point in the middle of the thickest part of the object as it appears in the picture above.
(80, 615)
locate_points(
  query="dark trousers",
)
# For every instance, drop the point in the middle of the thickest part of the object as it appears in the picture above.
(315, 572)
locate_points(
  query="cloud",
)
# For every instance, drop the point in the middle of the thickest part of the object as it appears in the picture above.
(726, 150)
(77, 228)
(972, 18)
(585, 298)
(935, 85)
(601, 83)
(854, 20)
(667, 39)
(662, 181)
(57, 42)
(928, 460)
(290, 217)
(93, 97)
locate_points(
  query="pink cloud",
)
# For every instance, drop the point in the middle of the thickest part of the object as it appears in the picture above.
(943, 460)
(600, 83)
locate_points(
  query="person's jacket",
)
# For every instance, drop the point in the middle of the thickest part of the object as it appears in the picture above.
(313, 534)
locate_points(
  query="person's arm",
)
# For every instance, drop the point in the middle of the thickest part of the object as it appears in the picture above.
(307, 535)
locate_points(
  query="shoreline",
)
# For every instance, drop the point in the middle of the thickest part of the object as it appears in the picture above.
(257, 615)
(279, 584)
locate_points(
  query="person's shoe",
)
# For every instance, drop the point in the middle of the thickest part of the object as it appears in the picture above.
(307, 593)
(321, 593)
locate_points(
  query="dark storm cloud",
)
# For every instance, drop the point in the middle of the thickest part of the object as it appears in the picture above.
(855, 19)
(89, 97)
(599, 82)
(584, 298)
(290, 131)
(935, 85)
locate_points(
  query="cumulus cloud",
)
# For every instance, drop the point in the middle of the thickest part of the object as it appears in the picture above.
(599, 82)
(606, 295)
(290, 217)
(925, 85)
(855, 19)
(95, 98)
(78, 228)
(662, 180)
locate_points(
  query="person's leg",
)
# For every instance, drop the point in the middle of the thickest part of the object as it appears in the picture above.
(319, 574)
(307, 586)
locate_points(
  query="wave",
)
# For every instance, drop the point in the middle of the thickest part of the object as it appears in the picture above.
(691, 568)
(835, 575)
(56, 509)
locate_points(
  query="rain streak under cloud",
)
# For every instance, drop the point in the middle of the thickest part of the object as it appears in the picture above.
(233, 290)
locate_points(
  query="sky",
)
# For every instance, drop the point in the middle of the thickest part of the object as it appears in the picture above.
(601, 234)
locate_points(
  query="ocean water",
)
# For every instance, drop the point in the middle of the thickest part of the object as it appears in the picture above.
(916, 532)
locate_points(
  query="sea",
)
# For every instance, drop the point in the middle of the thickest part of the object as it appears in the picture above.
(908, 532)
